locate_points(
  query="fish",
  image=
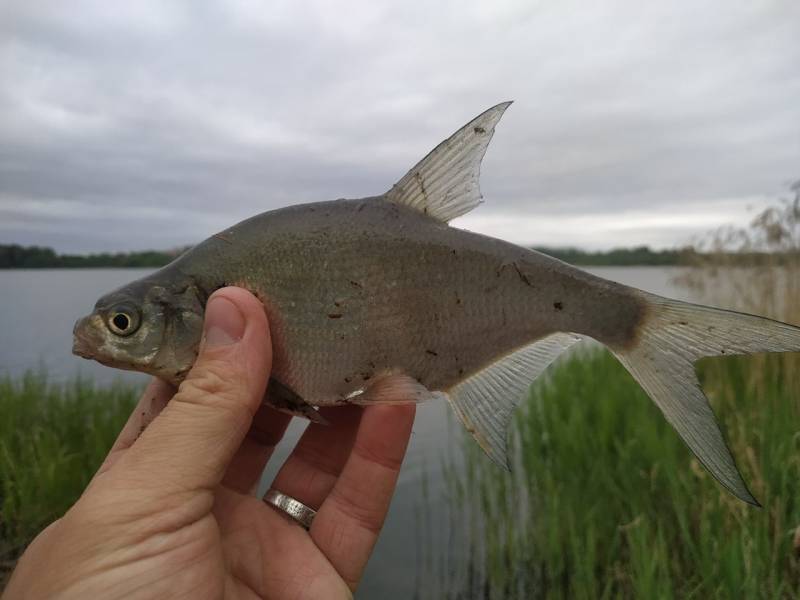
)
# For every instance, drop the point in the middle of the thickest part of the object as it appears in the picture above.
(380, 299)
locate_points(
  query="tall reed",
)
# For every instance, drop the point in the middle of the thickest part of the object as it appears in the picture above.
(52, 439)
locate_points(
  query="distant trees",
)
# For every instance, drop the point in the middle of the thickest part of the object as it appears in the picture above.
(641, 255)
(26, 257)
(14, 256)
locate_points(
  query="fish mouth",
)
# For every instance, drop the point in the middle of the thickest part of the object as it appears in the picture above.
(80, 348)
(81, 344)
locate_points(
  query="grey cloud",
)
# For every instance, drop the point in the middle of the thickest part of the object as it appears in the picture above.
(213, 111)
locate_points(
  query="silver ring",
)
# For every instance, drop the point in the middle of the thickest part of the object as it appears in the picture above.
(294, 508)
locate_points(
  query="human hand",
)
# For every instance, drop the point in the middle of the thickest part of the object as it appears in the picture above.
(170, 513)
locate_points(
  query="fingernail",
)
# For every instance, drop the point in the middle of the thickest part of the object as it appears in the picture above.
(224, 323)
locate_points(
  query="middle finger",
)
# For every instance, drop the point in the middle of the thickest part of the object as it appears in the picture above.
(311, 470)
(248, 463)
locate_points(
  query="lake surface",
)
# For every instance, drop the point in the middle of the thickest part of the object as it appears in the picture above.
(39, 307)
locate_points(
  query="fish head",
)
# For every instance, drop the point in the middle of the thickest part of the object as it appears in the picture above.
(145, 326)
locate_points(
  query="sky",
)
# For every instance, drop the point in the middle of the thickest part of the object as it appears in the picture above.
(154, 124)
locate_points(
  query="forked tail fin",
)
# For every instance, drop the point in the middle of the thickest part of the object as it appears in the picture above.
(672, 336)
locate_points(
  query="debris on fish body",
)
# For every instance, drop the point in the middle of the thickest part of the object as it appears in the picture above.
(380, 300)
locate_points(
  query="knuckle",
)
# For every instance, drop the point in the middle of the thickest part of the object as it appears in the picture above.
(358, 512)
(211, 378)
(326, 464)
(379, 456)
(219, 386)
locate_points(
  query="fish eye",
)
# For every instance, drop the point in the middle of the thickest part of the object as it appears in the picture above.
(123, 320)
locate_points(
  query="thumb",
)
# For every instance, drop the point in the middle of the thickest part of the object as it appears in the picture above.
(190, 444)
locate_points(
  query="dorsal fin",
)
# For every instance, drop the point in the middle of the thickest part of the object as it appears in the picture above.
(444, 184)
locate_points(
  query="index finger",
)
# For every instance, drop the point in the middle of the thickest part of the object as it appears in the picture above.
(348, 522)
(151, 403)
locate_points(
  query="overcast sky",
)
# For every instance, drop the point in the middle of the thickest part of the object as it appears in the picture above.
(131, 125)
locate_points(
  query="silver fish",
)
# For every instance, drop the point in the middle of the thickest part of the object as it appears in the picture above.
(379, 299)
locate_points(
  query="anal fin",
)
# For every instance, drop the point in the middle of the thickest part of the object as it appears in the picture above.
(286, 400)
(485, 401)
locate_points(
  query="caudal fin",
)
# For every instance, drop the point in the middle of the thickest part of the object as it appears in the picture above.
(673, 336)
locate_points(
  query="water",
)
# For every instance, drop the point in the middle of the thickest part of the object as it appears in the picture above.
(39, 307)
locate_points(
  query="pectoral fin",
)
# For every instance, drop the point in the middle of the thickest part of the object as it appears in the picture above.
(396, 388)
(286, 400)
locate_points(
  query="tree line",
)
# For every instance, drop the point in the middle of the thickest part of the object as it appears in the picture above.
(14, 256)
(638, 256)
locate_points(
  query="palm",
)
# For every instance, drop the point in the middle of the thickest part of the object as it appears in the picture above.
(241, 548)
(244, 548)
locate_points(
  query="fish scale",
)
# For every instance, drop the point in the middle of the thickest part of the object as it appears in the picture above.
(380, 300)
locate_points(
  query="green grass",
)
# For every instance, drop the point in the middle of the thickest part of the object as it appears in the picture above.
(52, 439)
(606, 501)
